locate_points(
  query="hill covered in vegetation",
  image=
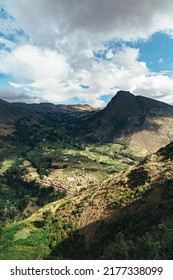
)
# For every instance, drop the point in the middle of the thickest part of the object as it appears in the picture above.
(126, 216)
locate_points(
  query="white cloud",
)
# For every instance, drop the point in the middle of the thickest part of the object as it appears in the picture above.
(158, 87)
(63, 38)
(32, 63)
(47, 75)
(51, 20)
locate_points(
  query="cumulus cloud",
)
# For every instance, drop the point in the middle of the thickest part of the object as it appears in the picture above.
(126, 19)
(64, 37)
(48, 76)
(30, 62)
(157, 87)
(104, 77)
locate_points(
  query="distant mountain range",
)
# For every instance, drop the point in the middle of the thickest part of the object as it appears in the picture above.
(52, 108)
(142, 124)
(9, 112)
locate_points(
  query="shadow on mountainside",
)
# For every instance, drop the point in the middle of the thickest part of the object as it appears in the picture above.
(143, 230)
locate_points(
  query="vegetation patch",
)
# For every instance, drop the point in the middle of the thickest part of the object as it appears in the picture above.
(22, 234)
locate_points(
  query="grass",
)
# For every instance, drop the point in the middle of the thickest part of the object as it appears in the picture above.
(99, 161)
(6, 164)
(22, 234)
(24, 241)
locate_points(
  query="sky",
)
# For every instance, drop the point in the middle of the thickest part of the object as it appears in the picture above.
(84, 51)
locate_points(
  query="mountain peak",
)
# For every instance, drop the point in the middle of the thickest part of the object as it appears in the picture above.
(123, 104)
(145, 122)
(126, 104)
(123, 93)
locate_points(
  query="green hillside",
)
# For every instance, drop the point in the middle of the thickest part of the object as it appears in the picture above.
(126, 216)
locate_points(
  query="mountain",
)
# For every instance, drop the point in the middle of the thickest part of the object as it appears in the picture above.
(9, 112)
(52, 108)
(126, 216)
(76, 108)
(142, 123)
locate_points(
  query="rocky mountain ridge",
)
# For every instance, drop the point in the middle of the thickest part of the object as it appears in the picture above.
(142, 123)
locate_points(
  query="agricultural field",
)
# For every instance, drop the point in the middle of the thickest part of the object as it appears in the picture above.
(30, 177)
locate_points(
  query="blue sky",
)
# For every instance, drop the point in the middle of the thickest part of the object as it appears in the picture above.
(73, 53)
(156, 52)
